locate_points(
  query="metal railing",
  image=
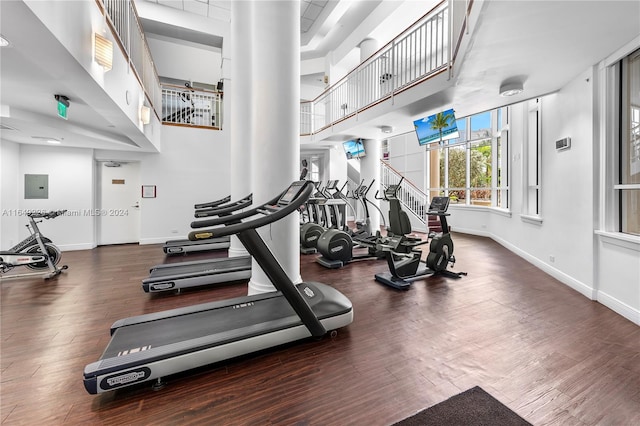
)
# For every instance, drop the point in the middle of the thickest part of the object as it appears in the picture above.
(421, 51)
(123, 18)
(409, 195)
(194, 107)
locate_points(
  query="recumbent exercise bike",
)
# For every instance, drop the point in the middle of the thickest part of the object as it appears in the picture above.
(404, 256)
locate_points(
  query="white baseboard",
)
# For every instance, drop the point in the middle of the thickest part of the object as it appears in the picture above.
(610, 302)
(73, 247)
(162, 240)
(568, 280)
(619, 307)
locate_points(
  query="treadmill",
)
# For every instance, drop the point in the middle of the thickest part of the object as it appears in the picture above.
(220, 271)
(152, 346)
(176, 276)
(210, 204)
(185, 246)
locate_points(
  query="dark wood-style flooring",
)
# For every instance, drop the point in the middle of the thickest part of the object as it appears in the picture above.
(545, 351)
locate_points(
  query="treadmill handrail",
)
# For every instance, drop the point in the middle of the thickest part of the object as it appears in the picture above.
(225, 219)
(225, 209)
(212, 203)
(271, 212)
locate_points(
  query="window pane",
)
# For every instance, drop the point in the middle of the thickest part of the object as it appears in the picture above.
(480, 171)
(457, 165)
(462, 132)
(502, 171)
(481, 125)
(631, 150)
(631, 211)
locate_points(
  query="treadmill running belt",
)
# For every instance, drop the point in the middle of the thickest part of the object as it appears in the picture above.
(215, 266)
(196, 325)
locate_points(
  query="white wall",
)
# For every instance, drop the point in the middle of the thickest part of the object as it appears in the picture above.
(70, 172)
(194, 167)
(407, 157)
(185, 62)
(9, 174)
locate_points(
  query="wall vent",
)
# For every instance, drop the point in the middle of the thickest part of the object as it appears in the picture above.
(563, 144)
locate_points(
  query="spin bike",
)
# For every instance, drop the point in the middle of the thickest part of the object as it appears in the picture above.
(36, 252)
(404, 256)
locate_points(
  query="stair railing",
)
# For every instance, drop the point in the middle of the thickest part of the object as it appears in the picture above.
(409, 195)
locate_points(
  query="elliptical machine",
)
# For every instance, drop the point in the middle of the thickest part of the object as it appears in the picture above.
(36, 252)
(404, 258)
(336, 246)
(323, 213)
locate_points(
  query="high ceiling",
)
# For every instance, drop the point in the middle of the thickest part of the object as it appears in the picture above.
(545, 43)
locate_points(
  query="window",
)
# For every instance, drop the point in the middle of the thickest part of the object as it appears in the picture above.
(473, 168)
(628, 185)
(531, 200)
(501, 175)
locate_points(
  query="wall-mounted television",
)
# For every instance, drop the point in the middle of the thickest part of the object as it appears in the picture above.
(429, 129)
(354, 148)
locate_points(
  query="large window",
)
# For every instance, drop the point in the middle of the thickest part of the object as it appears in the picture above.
(628, 185)
(474, 166)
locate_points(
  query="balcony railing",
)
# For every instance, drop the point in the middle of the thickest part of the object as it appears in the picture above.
(124, 21)
(191, 107)
(423, 50)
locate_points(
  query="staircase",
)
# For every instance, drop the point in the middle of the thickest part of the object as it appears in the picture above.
(413, 200)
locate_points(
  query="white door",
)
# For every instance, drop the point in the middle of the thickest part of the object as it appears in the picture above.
(118, 203)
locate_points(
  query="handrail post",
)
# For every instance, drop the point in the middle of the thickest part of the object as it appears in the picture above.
(451, 43)
(393, 72)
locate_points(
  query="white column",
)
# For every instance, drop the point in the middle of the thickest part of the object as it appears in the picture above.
(369, 170)
(368, 47)
(238, 96)
(275, 145)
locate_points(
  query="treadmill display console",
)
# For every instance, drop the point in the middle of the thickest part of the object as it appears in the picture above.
(291, 193)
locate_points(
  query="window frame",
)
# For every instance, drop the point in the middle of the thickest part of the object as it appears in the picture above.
(609, 104)
(498, 130)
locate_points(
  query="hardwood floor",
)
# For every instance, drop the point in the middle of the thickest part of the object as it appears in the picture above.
(545, 351)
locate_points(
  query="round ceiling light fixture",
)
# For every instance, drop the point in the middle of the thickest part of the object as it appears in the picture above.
(511, 89)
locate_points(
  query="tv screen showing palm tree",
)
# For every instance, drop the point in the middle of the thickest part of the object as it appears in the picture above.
(437, 127)
(354, 148)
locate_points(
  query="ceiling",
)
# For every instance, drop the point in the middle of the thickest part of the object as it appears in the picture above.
(544, 43)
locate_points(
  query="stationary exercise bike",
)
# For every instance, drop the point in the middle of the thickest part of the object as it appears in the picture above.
(404, 256)
(36, 252)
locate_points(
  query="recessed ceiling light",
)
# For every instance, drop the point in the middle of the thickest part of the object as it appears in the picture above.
(3, 41)
(53, 141)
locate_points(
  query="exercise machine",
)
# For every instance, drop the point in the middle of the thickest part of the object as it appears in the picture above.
(36, 252)
(185, 246)
(323, 213)
(404, 256)
(181, 275)
(177, 276)
(336, 246)
(363, 227)
(210, 204)
(153, 346)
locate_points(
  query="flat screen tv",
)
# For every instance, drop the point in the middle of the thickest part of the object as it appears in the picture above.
(354, 148)
(429, 129)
